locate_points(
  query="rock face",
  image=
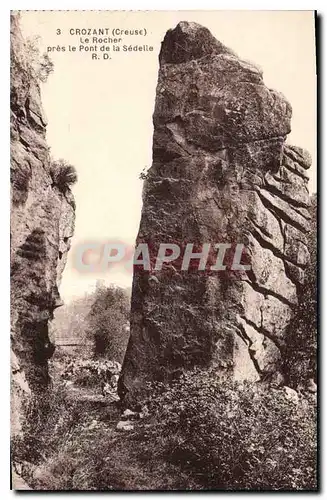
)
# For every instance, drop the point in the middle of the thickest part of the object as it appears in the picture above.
(42, 224)
(221, 172)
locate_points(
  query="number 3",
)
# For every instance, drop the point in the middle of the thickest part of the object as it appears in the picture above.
(58, 32)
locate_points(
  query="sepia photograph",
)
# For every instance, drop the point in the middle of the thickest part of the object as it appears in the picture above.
(163, 250)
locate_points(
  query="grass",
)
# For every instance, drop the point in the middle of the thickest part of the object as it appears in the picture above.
(63, 174)
(198, 435)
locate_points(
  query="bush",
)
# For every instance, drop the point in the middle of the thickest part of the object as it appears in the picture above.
(97, 457)
(108, 322)
(100, 319)
(45, 67)
(93, 373)
(20, 176)
(40, 64)
(201, 434)
(233, 437)
(301, 359)
(63, 174)
(49, 419)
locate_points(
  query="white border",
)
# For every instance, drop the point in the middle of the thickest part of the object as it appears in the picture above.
(166, 5)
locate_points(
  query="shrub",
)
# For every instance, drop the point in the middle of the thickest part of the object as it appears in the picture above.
(45, 67)
(70, 319)
(93, 373)
(49, 419)
(233, 437)
(97, 457)
(20, 176)
(99, 320)
(63, 174)
(40, 64)
(301, 363)
(201, 434)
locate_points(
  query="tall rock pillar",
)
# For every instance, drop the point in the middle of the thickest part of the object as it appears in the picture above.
(221, 172)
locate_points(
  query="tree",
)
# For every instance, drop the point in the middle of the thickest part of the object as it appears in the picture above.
(70, 320)
(108, 322)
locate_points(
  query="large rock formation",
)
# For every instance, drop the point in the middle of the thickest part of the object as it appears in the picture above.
(221, 172)
(42, 224)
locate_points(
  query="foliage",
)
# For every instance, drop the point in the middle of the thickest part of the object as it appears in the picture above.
(20, 176)
(101, 318)
(302, 345)
(108, 322)
(40, 64)
(70, 320)
(45, 67)
(200, 434)
(49, 418)
(63, 174)
(93, 458)
(144, 174)
(92, 373)
(234, 437)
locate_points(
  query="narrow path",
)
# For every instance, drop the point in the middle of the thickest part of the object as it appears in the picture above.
(89, 395)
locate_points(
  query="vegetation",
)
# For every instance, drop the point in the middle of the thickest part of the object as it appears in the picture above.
(40, 64)
(101, 318)
(302, 346)
(227, 436)
(197, 434)
(20, 176)
(63, 174)
(108, 322)
(70, 320)
(93, 373)
(48, 422)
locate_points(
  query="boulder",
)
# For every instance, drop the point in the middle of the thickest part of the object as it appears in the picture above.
(125, 425)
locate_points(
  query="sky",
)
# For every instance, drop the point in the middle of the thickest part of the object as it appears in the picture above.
(100, 111)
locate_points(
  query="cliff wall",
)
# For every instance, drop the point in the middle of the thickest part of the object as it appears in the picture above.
(42, 224)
